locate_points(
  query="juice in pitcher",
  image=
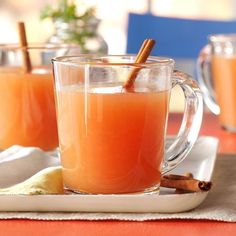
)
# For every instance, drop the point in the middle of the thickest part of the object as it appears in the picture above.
(111, 141)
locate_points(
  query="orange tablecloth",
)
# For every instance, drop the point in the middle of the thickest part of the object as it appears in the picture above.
(173, 227)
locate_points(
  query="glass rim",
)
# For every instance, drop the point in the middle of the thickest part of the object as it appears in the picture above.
(37, 46)
(218, 38)
(93, 60)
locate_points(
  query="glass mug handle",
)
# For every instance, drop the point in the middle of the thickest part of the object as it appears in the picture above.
(191, 122)
(205, 80)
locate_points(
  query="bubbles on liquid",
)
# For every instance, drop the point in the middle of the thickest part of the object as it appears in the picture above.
(111, 88)
(107, 90)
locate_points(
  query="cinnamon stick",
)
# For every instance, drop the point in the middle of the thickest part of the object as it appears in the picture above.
(142, 56)
(185, 183)
(23, 44)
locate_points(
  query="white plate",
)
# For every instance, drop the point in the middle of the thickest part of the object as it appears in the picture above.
(200, 162)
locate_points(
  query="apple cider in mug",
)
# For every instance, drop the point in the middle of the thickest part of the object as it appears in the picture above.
(27, 105)
(112, 140)
(27, 108)
(217, 78)
(224, 77)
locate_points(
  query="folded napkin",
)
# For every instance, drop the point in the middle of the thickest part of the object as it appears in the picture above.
(46, 181)
(19, 163)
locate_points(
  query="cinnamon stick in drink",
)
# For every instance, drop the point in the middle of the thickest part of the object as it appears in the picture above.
(185, 183)
(142, 56)
(24, 44)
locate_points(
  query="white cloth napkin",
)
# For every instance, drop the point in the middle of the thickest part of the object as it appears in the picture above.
(19, 163)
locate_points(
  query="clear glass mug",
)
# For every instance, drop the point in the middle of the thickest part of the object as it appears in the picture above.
(216, 70)
(111, 140)
(27, 105)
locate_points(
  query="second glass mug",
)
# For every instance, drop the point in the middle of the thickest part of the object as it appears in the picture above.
(27, 107)
(112, 141)
(217, 78)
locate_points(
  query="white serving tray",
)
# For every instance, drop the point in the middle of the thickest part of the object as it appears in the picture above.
(200, 162)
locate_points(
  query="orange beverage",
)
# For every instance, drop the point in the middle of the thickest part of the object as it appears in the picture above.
(27, 109)
(111, 141)
(224, 77)
(112, 137)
